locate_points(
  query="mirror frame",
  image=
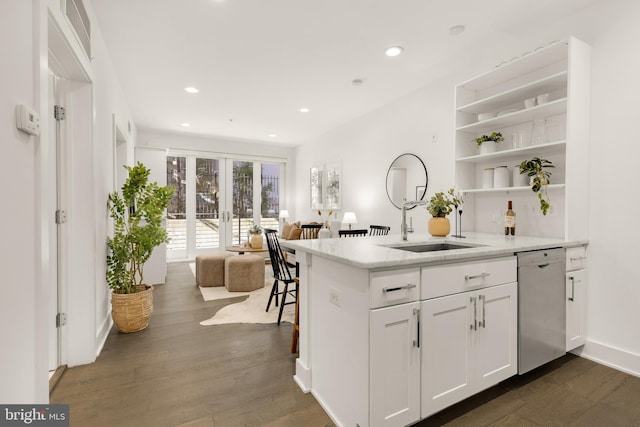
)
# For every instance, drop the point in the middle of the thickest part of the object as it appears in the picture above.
(426, 180)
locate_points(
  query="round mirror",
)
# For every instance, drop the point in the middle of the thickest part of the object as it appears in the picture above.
(407, 179)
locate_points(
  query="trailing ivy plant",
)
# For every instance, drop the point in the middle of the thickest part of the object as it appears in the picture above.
(536, 169)
(137, 216)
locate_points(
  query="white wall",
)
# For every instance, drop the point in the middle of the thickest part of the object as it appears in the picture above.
(26, 223)
(366, 147)
(109, 100)
(21, 372)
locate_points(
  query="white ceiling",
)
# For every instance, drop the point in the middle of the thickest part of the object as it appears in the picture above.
(257, 62)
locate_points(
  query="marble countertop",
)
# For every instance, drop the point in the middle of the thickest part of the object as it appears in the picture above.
(381, 252)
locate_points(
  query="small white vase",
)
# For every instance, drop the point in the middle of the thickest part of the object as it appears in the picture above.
(488, 147)
(324, 233)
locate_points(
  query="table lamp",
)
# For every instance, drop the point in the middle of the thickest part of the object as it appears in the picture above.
(349, 218)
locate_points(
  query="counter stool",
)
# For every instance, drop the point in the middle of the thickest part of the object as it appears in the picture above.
(210, 269)
(244, 273)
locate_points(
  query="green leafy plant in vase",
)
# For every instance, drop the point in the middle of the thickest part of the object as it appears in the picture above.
(137, 219)
(255, 237)
(492, 140)
(441, 205)
(537, 171)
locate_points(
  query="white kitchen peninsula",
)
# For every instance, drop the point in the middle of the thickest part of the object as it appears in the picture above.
(375, 320)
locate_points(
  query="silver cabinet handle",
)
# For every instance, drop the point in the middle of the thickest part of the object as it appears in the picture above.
(416, 342)
(483, 322)
(476, 276)
(475, 314)
(578, 258)
(399, 288)
(573, 287)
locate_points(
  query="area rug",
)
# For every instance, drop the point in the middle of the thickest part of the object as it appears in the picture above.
(249, 310)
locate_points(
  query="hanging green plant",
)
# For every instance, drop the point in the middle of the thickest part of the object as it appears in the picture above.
(537, 170)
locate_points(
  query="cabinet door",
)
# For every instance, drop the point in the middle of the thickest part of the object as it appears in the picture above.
(395, 365)
(446, 347)
(576, 305)
(496, 341)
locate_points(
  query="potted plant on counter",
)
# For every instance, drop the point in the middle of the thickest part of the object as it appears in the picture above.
(487, 143)
(441, 205)
(540, 177)
(137, 215)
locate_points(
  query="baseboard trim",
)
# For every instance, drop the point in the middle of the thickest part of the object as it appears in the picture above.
(610, 356)
(302, 376)
(328, 411)
(103, 333)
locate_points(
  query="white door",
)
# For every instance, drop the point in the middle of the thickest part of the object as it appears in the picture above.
(447, 364)
(395, 365)
(576, 304)
(496, 340)
(57, 247)
(217, 200)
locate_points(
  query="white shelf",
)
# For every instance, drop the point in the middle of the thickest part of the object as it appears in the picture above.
(493, 103)
(508, 189)
(549, 147)
(559, 106)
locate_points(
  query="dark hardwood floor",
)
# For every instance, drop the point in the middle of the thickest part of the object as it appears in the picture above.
(178, 373)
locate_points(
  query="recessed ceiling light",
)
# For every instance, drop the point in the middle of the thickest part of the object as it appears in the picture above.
(304, 110)
(272, 135)
(393, 51)
(191, 89)
(456, 30)
(185, 125)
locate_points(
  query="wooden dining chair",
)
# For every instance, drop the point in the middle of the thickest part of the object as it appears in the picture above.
(310, 231)
(378, 230)
(281, 273)
(352, 233)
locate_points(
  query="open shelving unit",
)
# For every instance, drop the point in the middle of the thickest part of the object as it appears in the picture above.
(557, 130)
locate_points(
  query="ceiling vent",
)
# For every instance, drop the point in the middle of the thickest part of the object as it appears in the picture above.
(79, 20)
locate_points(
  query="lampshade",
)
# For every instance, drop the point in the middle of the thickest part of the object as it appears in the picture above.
(349, 218)
(283, 214)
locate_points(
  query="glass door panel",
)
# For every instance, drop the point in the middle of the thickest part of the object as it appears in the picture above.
(270, 195)
(207, 204)
(242, 205)
(177, 210)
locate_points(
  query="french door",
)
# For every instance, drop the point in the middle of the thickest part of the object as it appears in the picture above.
(214, 199)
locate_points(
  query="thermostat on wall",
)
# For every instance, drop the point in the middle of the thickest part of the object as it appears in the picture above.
(27, 120)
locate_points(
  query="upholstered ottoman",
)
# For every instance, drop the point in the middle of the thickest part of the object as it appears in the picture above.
(244, 273)
(210, 269)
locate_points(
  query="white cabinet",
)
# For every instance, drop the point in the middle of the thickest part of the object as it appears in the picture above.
(469, 344)
(557, 130)
(395, 365)
(576, 281)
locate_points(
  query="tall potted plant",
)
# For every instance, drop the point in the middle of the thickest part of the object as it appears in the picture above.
(440, 205)
(137, 216)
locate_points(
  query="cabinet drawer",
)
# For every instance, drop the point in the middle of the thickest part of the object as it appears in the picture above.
(576, 258)
(394, 287)
(454, 278)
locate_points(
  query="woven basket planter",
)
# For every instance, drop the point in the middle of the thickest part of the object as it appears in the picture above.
(131, 312)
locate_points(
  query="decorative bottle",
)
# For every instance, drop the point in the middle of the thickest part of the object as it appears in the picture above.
(510, 220)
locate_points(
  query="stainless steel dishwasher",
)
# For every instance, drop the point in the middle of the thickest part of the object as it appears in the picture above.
(541, 307)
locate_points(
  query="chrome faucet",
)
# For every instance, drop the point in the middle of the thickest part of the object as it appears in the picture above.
(406, 205)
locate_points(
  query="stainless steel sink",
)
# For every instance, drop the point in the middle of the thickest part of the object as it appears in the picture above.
(431, 247)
